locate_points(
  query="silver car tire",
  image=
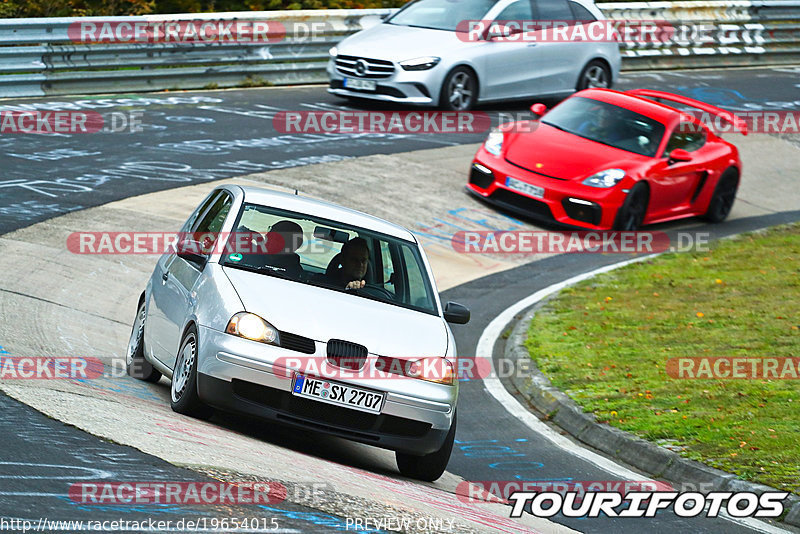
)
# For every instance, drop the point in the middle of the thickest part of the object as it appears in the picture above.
(459, 90)
(595, 74)
(183, 390)
(428, 467)
(135, 363)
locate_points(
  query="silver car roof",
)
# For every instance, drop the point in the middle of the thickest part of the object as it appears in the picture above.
(322, 209)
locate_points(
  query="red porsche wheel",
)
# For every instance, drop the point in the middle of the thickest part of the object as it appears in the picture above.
(724, 195)
(631, 214)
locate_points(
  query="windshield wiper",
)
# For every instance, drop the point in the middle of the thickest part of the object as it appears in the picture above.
(423, 27)
(557, 127)
(260, 269)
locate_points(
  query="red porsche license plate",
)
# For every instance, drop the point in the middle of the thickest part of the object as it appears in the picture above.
(523, 187)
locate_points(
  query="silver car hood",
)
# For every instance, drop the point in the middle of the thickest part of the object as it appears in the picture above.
(399, 43)
(322, 314)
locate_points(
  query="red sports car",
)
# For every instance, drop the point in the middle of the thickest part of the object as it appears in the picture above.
(605, 159)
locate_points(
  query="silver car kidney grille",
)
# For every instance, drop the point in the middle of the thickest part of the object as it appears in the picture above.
(346, 355)
(362, 67)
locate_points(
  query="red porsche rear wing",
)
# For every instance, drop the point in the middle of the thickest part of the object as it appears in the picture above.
(737, 122)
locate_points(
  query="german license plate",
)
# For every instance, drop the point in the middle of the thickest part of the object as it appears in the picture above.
(523, 187)
(338, 394)
(364, 85)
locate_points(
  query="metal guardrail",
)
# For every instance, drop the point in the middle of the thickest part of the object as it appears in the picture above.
(746, 33)
(38, 57)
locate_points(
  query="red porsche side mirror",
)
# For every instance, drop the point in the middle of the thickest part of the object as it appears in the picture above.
(679, 154)
(539, 109)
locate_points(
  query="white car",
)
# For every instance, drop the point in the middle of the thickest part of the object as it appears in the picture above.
(423, 55)
(283, 332)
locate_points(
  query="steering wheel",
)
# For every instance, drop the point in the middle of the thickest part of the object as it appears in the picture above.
(376, 291)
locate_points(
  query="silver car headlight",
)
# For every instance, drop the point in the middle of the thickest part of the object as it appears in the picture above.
(434, 369)
(494, 142)
(606, 178)
(251, 326)
(420, 63)
(334, 51)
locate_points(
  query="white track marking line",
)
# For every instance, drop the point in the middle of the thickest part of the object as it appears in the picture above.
(485, 348)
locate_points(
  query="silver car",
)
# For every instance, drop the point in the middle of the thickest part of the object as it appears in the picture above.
(308, 314)
(423, 55)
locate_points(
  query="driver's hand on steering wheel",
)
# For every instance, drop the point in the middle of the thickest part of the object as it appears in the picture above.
(356, 284)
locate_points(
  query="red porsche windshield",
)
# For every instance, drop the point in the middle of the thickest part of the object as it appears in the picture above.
(608, 124)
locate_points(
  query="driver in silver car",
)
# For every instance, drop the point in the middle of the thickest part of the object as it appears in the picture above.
(355, 261)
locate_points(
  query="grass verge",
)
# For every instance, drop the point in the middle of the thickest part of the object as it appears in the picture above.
(605, 342)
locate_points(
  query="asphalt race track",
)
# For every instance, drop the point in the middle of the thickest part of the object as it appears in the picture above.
(192, 138)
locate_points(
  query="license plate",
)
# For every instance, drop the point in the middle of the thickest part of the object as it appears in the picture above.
(338, 394)
(523, 187)
(364, 85)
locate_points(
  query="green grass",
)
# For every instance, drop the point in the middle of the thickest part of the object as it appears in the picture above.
(606, 341)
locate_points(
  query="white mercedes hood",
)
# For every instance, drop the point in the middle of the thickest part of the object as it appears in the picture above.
(399, 43)
(323, 314)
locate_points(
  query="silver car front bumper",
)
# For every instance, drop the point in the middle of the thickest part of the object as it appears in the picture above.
(246, 376)
(403, 87)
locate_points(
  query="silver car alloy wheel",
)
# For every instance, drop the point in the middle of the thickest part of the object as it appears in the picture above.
(136, 335)
(460, 91)
(183, 367)
(595, 77)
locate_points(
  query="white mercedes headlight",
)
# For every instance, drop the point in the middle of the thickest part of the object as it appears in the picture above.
(494, 142)
(334, 51)
(606, 178)
(420, 63)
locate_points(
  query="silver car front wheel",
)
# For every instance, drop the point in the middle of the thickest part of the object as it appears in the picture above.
(459, 91)
(183, 367)
(594, 75)
(183, 391)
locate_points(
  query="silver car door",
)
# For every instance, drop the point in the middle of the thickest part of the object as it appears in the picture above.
(157, 332)
(511, 63)
(182, 275)
(561, 60)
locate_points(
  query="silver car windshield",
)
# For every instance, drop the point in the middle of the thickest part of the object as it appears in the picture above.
(441, 14)
(331, 255)
(608, 124)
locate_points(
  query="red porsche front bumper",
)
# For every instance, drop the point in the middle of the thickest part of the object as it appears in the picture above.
(541, 197)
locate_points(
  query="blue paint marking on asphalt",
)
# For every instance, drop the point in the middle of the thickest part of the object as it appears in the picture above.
(517, 465)
(485, 222)
(319, 519)
(460, 215)
(122, 386)
(484, 451)
(716, 96)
